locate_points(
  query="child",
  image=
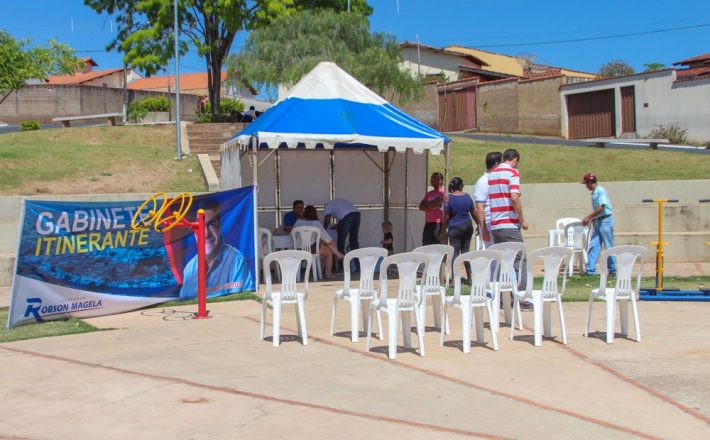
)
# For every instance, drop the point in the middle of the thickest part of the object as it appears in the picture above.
(388, 240)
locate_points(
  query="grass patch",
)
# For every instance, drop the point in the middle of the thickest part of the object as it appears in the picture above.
(564, 164)
(42, 329)
(66, 161)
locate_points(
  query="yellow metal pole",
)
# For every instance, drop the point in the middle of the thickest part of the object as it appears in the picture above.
(660, 243)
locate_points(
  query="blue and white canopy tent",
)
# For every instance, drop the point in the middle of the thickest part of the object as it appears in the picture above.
(332, 137)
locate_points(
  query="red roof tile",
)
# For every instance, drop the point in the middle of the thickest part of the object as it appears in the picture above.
(189, 81)
(696, 72)
(80, 78)
(703, 57)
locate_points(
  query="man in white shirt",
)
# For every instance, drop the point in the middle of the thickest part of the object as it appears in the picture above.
(348, 217)
(480, 196)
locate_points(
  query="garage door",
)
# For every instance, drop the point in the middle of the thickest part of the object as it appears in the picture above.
(591, 114)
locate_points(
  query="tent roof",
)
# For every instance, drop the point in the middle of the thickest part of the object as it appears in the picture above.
(329, 107)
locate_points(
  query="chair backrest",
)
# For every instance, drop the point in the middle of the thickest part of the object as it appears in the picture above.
(289, 262)
(554, 258)
(480, 262)
(439, 255)
(626, 257)
(368, 258)
(507, 277)
(407, 265)
(304, 237)
(575, 236)
(264, 242)
(560, 223)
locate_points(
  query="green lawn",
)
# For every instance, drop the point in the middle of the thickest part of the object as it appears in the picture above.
(563, 164)
(99, 159)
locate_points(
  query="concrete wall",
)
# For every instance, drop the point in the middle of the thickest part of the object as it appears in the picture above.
(45, 102)
(538, 106)
(497, 106)
(432, 63)
(660, 100)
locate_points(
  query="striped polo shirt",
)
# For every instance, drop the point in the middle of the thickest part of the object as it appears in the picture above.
(501, 182)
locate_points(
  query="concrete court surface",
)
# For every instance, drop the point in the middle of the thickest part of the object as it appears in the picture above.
(160, 374)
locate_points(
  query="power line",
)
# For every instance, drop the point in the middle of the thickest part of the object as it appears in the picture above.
(604, 37)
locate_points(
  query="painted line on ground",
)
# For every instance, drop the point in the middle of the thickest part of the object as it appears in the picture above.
(235, 391)
(431, 373)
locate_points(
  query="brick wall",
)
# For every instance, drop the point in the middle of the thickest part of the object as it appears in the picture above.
(497, 106)
(44, 102)
(539, 108)
(425, 109)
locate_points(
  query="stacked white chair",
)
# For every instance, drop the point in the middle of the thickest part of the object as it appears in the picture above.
(307, 238)
(576, 234)
(359, 297)
(560, 239)
(506, 284)
(406, 300)
(554, 259)
(264, 248)
(483, 264)
(440, 258)
(623, 292)
(289, 262)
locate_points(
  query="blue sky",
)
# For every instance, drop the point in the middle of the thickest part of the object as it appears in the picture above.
(505, 26)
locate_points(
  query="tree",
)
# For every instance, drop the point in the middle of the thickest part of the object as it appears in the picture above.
(652, 67)
(19, 63)
(145, 29)
(292, 45)
(615, 68)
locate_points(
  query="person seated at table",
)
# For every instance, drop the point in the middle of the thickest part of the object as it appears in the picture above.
(291, 217)
(327, 244)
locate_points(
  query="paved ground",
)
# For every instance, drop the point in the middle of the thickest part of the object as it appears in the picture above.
(159, 374)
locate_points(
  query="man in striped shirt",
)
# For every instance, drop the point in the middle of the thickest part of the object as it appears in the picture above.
(506, 208)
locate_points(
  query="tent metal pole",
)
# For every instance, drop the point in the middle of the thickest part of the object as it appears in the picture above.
(277, 186)
(254, 143)
(332, 175)
(406, 197)
(386, 184)
(447, 167)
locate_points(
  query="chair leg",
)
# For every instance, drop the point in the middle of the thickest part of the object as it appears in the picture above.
(494, 316)
(276, 324)
(392, 315)
(512, 322)
(589, 316)
(354, 317)
(380, 334)
(442, 330)
(547, 319)
(262, 326)
(563, 329)
(332, 315)
(368, 332)
(491, 311)
(478, 316)
(537, 316)
(635, 312)
(466, 316)
(610, 315)
(406, 329)
(421, 330)
(624, 316)
(302, 319)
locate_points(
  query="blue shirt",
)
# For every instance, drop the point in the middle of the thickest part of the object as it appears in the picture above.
(459, 209)
(599, 198)
(228, 274)
(290, 218)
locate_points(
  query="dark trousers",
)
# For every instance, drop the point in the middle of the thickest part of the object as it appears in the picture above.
(431, 233)
(349, 227)
(508, 235)
(460, 240)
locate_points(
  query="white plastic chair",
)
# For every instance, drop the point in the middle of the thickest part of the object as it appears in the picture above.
(560, 224)
(554, 259)
(289, 263)
(507, 282)
(576, 234)
(365, 292)
(623, 291)
(481, 263)
(304, 239)
(406, 300)
(265, 243)
(440, 256)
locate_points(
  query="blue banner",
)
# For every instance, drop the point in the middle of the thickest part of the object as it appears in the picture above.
(83, 259)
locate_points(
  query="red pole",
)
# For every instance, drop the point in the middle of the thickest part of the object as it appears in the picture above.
(201, 266)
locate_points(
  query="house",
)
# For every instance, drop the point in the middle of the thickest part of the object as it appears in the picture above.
(87, 76)
(636, 105)
(192, 84)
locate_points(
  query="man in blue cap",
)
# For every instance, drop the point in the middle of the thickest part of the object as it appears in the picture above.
(603, 226)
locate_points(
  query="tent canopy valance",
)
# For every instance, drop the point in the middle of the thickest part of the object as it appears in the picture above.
(329, 109)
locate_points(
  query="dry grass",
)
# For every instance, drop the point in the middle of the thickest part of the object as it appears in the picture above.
(95, 160)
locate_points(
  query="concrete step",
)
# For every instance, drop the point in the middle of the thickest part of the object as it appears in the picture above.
(206, 136)
(7, 267)
(207, 142)
(8, 237)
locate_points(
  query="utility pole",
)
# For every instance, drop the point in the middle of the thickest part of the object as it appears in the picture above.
(177, 86)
